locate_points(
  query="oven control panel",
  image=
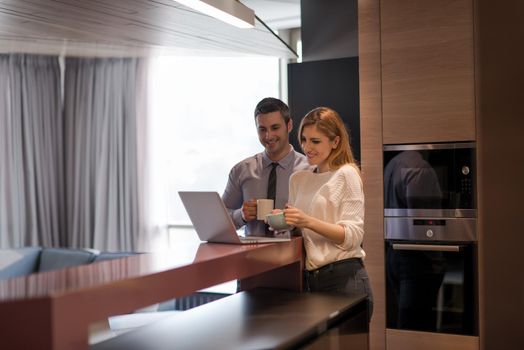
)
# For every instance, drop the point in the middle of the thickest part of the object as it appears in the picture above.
(434, 229)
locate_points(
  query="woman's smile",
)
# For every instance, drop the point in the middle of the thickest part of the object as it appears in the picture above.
(311, 155)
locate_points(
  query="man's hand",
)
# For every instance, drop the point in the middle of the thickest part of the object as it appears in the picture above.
(249, 210)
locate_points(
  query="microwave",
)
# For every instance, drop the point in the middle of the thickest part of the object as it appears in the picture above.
(430, 180)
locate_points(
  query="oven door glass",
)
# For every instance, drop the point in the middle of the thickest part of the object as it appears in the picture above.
(430, 287)
(426, 178)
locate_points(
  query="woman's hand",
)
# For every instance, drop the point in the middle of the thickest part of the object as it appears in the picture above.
(296, 217)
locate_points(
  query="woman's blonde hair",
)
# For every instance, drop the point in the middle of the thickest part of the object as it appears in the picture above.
(330, 124)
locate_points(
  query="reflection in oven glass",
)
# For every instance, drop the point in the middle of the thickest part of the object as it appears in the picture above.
(411, 182)
(415, 278)
(429, 177)
(431, 290)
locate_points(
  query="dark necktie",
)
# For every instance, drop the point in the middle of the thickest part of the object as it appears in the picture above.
(272, 182)
(272, 190)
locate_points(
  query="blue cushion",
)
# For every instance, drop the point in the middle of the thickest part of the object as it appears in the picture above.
(58, 258)
(113, 255)
(18, 262)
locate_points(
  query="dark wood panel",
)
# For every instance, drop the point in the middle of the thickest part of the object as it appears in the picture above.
(371, 155)
(500, 155)
(259, 319)
(427, 71)
(408, 340)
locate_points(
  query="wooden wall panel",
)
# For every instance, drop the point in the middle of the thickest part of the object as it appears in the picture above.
(371, 160)
(500, 153)
(421, 104)
(408, 340)
(427, 71)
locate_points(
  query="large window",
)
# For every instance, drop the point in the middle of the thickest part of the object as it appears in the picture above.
(202, 122)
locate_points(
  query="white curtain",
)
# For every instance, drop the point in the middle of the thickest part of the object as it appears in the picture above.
(103, 105)
(31, 158)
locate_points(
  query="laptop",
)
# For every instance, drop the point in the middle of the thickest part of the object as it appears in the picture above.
(212, 221)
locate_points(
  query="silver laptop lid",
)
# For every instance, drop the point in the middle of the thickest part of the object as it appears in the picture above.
(209, 216)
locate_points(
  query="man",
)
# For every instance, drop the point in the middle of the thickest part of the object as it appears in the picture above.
(248, 180)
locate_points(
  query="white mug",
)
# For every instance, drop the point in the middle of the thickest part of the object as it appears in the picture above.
(264, 207)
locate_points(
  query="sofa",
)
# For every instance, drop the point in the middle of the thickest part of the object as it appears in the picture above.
(18, 262)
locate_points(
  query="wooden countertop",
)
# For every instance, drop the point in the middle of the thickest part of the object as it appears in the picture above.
(56, 307)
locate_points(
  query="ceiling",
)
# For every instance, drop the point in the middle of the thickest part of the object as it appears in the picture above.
(277, 14)
(138, 28)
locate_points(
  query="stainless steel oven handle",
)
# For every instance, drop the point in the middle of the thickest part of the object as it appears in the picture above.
(430, 247)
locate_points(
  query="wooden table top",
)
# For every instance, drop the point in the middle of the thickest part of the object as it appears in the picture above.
(184, 254)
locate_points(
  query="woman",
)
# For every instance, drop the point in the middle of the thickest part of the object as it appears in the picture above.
(327, 204)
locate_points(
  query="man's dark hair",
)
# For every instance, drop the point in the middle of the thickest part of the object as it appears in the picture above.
(271, 104)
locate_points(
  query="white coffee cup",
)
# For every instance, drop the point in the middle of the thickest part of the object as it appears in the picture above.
(264, 207)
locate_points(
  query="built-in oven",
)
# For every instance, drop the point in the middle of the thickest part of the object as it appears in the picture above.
(431, 238)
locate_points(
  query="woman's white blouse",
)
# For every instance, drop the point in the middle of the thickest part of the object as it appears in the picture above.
(335, 197)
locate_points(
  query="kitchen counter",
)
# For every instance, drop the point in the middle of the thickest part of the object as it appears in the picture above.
(52, 310)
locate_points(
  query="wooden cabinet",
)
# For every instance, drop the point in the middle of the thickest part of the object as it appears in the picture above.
(427, 71)
(422, 71)
(408, 340)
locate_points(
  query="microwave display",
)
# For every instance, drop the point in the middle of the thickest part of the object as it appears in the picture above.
(437, 177)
